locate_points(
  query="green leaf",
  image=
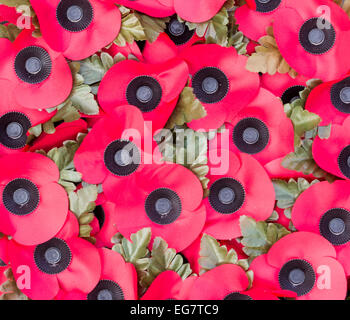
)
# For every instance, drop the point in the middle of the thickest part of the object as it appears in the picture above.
(131, 30)
(258, 237)
(83, 200)
(15, 3)
(212, 254)
(152, 27)
(95, 67)
(163, 259)
(188, 108)
(303, 120)
(136, 251)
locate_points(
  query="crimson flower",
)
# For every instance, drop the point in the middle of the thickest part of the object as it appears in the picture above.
(153, 8)
(302, 262)
(33, 205)
(77, 28)
(35, 72)
(220, 82)
(65, 262)
(243, 188)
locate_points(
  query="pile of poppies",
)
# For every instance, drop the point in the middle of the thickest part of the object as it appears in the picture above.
(174, 149)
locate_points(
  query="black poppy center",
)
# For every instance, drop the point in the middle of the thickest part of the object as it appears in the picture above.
(100, 215)
(267, 5)
(237, 296)
(251, 135)
(13, 130)
(33, 64)
(106, 290)
(317, 39)
(163, 206)
(20, 197)
(297, 275)
(144, 92)
(344, 161)
(53, 256)
(178, 32)
(335, 226)
(340, 95)
(226, 196)
(74, 15)
(122, 157)
(210, 85)
(291, 94)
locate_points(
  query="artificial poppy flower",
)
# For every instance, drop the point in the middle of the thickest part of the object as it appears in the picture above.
(169, 44)
(16, 121)
(106, 227)
(261, 129)
(116, 149)
(153, 8)
(168, 286)
(284, 86)
(312, 45)
(65, 262)
(333, 154)
(118, 280)
(159, 200)
(154, 89)
(126, 51)
(63, 132)
(77, 28)
(40, 77)
(33, 205)
(4, 252)
(238, 185)
(329, 216)
(331, 101)
(302, 262)
(197, 10)
(220, 82)
(8, 15)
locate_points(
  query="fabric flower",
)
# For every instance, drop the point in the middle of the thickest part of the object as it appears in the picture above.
(154, 89)
(329, 216)
(302, 262)
(159, 200)
(220, 82)
(238, 185)
(8, 15)
(284, 86)
(40, 77)
(261, 129)
(333, 154)
(4, 253)
(314, 45)
(118, 280)
(33, 205)
(153, 8)
(63, 132)
(331, 101)
(16, 121)
(65, 262)
(77, 28)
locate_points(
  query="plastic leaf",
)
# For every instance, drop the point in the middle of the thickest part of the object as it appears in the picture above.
(131, 30)
(152, 27)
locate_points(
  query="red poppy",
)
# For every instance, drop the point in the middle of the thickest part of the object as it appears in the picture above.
(330, 100)
(168, 286)
(16, 121)
(302, 262)
(106, 228)
(261, 129)
(8, 15)
(197, 10)
(329, 216)
(220, 81)
(154, 89)
(65, 262)
(170, 206)
(77, 28)
(35, 72)
(65, 131)
(128, 49)
(153, 8)
(118, 280)
(4, 253)
(238, 185)
(311, 43)
(284, 86)
(33, 205)
(169, 45)
(333, 154)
